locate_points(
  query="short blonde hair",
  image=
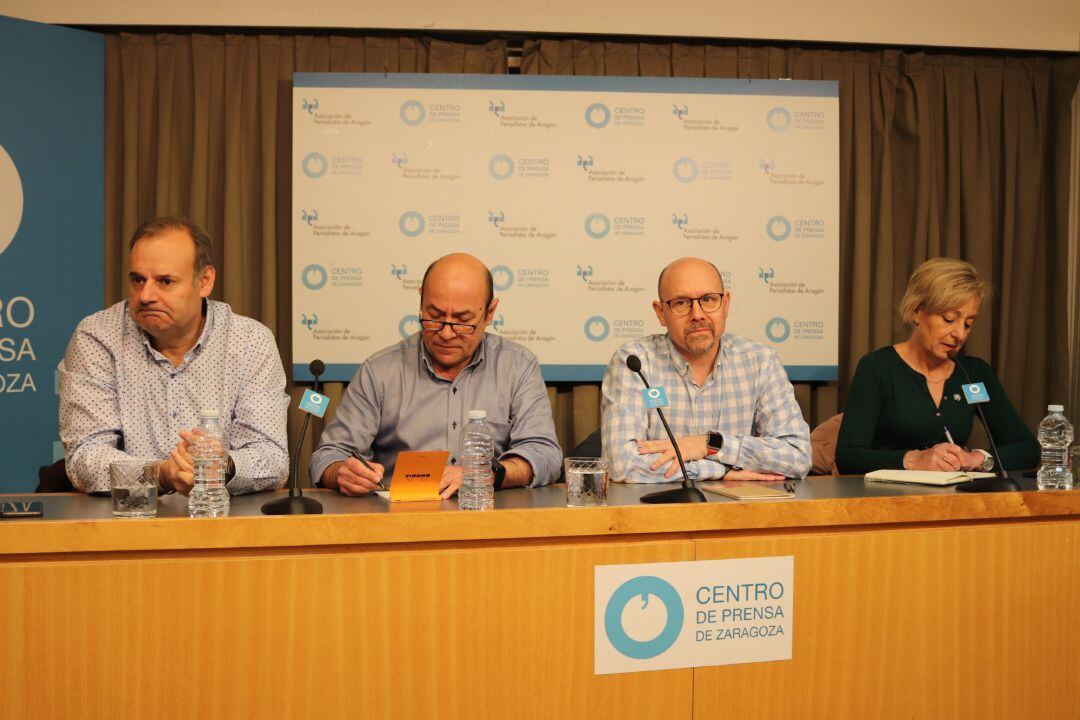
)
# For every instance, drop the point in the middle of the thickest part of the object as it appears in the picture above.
(940, 285)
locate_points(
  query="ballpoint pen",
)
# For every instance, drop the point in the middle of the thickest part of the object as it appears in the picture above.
(365, 463)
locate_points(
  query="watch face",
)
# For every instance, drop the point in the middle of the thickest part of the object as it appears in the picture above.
(716, 441)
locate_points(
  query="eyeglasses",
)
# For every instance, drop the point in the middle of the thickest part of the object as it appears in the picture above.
(438, 325)
(680, 306)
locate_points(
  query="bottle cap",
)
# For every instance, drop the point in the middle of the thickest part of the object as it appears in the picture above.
(478, 414)
(208, 414)
(1056, 408)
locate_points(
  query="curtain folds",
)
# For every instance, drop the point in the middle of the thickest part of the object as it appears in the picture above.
(940, 154)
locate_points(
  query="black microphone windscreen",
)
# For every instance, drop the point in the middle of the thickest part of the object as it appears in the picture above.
(317, 367)
(634, 363)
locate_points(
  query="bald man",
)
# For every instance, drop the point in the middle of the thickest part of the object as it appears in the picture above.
(731, 406)
(416, 395)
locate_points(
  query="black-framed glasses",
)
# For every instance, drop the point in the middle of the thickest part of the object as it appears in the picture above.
(456, 327)
(709, 303)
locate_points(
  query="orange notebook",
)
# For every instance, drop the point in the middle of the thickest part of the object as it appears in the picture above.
(417, 475)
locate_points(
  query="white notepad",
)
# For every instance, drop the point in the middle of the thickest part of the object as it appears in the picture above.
(925, 477)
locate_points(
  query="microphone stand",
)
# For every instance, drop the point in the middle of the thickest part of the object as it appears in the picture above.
(295, 503)
(1001, 482)
(689, 492)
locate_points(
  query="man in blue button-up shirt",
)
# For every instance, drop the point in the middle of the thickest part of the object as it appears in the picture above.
(136, 375)
(416, 395)
(732, 408)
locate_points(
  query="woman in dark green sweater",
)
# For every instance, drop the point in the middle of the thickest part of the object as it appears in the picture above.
(907, 408)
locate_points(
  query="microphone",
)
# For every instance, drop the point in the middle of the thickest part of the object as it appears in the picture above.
(689, 492)
(1000, 483)
(295, 503)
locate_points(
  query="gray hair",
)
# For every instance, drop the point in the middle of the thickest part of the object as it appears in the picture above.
(204, 251)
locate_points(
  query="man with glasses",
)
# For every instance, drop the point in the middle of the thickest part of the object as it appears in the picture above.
(731, 406)
(416, 395)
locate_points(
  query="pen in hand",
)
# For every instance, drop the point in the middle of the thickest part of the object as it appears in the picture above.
(365, 463)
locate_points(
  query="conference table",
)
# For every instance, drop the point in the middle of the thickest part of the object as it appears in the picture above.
(909, 602)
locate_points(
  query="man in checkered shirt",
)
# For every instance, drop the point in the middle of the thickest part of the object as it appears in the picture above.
(731, 406)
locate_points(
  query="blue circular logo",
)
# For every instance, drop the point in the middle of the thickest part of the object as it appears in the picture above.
(412, 112)
(314, 165)
(645, 586)
(597, 115)
(685, 170)
(502, 277)
(411, 223)
(409, 325)
(778, 228)
(313, 276)
(778, 119)
(778, 329)
(501, 167)
(597, 328)
(597, 226)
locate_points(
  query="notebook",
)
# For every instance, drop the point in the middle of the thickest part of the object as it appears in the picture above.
(738, 491)
(925, 477)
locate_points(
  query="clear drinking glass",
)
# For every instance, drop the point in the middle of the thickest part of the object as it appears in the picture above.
(586, 481)
(134, 488)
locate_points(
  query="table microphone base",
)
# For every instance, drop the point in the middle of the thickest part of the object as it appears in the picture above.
(678, 495)
(292, 506)
(987, 485)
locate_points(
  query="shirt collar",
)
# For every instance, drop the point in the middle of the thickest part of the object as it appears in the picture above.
(208, 314)
(425, 356)
(682, 367)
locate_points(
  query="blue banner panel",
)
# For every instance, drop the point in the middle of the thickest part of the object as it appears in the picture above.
(52, 160)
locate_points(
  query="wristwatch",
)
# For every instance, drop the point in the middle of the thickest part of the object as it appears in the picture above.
(988, 460)
(498, 471)
(715, 443)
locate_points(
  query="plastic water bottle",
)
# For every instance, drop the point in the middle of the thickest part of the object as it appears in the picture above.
(209, 497)
(477, 447)
(1055, 436)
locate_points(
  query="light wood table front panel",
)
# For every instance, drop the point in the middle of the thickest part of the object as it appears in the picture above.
(975, 621)
(484, 632)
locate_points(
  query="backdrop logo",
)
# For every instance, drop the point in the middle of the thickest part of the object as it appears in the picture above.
(778, 228)
(778, 119)
(496, 218)
(585, 162)
(778, 329)
(597, 115)
(685, 170)
(11, 200)
(584, 273)
(680, 112)
(411, 223)
(399, 272)
(766, 275)
(399, 161)
(496, 107)
(314, 276)
(314, 165)
(679, 221)
(502, 278)
(644, 587)
(597, 226)
(498, 323)
(767, 165)
(311, 106)
(501, 167)
(597, 328)
(412, 112)
(309, 322)
(309, 217)
(409, 325)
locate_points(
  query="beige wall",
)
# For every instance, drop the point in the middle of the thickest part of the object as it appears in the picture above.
(1036, 25)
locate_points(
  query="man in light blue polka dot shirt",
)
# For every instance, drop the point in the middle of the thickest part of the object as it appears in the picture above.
(136, 375)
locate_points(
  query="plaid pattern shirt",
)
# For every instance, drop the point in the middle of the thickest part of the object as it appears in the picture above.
(747, 398)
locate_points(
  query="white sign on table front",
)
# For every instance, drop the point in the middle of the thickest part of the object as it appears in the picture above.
(662, 616)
